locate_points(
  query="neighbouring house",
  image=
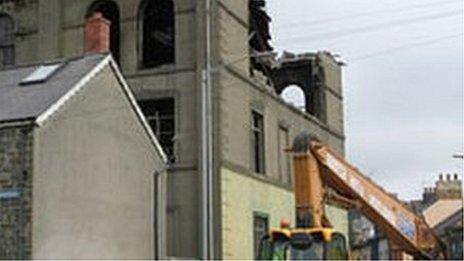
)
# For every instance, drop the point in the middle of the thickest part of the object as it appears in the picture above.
(445, 188)
(445, 218)
(160, 47)
(442, 207)
(81, 174)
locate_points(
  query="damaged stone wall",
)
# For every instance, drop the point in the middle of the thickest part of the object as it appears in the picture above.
(259, 34)
(15, 192)
(306, 72)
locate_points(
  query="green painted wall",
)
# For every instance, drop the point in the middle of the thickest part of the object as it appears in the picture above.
(339, 219)
(242, 195)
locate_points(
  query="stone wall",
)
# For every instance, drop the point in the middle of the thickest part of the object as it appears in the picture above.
(15, 192)
(26, 23)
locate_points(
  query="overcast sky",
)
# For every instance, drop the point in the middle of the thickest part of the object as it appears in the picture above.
(403, 83)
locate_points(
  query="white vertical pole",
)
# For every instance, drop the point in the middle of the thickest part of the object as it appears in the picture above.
(207, 140)
(204, 166)
(210, 130)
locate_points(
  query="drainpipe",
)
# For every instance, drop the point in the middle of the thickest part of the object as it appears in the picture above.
(206, 143)
(206, 162)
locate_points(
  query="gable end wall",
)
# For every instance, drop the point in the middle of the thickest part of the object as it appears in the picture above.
(93, 188)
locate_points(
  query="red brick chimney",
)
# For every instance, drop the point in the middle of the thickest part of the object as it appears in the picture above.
(97, 34)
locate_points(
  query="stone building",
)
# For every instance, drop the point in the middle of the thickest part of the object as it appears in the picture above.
(442, 207)
(77, 181)
(445, 218)
(161, 46)
(448, 186)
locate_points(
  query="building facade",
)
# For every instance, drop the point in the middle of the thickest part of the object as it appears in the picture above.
(160, 46)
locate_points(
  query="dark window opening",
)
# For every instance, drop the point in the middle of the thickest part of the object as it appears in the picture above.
(260, 229)
(7, 38)
(285, 174)
(158, 30)
(160, 114)
(336, 248)
(110, 11)
(257, 129)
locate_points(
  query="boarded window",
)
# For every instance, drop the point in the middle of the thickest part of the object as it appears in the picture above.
(160, 114)
(285, 174)
(260, 229)
(158, 33)
(257, 129)
(110, 11)
(7, 38)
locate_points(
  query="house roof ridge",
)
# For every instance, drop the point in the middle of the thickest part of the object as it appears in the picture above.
(51, 61)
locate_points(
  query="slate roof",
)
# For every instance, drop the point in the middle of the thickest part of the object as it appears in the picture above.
(27, 102)
(441, 210)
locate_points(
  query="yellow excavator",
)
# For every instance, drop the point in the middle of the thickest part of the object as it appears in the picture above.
(322, 176)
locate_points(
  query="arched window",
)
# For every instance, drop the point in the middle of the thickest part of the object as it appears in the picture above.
(156, 18)
(7, 39)
(110, 11)
(294, 95)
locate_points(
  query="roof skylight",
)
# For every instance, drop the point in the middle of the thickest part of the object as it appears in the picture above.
(41, 74)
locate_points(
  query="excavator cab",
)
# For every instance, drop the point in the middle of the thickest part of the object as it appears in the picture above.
(303, 244)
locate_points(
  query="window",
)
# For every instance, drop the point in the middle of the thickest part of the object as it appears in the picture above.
(257, 129)
(160, 114)
(336, 248)
(7, 48)
(110, 11)
(260, 229)
(41, 74)
(285, 174)
(158, 33)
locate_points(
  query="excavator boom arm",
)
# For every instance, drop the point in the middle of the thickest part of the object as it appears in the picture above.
(322, 176)
(399, 223)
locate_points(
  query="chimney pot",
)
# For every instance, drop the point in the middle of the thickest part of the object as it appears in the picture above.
(440, 177)
(455, 176)
(448, 177)
(97, 34)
